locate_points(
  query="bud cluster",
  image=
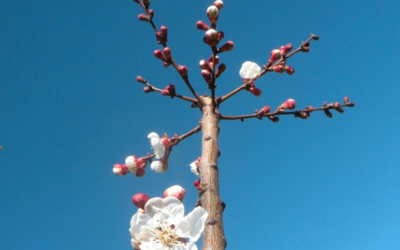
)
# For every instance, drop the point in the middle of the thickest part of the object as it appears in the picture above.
(169, 91)
(133, 165)
(162, 35)
(164, 56)
(252, 88)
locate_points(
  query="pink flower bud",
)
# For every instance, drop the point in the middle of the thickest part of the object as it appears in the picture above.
(264, 110)
(305, 49)
(151, 13)
(274, 119)
(213, 13)
(221, 69)
(147, 90)
(140, 172)
(196, 183)
(183, 70)
(304, 115)
(275, 55)
(143, 18)
(204, 65)
(228, 46)
(159, 35)
(166, 64)
(216, 60)
(289, 104)
(211, 37)
(167, 52)
(219, 4)
(158, 54)
(255, 91)
(140, 200)
(164, 30)
(279, 68)
(206, 75)
(120, 169)
(221, 35)
(146, 3)
(286, 49)
(140, 79)
(175, 191)
(202, 26)
(289, 70)
(346, 100)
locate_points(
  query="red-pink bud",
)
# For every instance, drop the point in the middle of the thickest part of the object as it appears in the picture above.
(202, 26)
(221, 69)
(196, 183)
(286, 49)
(147, 90)
(183, 70)
(146, 3)
(220, 35)
(289, 104)
(211, 37)
(140, 200)
(289, 70)
(175, 191)
(167, 52)
(151, 13)
(159, 55)
(228, 46)
(219, 4)
(164, 30)
(216, 60)
(140, 79)
(166, 64)
(159, 35)
(204, 65)
(305, 49)
(304, 115)
(143, 18)
(274, 119)
(264, 110)
(120, 169)
(275, 55)
(255, 91)
(206, 75)
(213, 13)
(279, 68)
(346, 100)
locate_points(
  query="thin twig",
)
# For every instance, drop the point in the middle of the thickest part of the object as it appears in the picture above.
(295, 113)
(164, 44)
(151, 88)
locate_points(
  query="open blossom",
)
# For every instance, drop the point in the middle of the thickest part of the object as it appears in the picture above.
(250, 71)
(194, 165)
(163, 226)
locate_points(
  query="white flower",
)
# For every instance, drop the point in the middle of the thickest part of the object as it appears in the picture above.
(193, 167)
(164, 226)
(250, 70)
(159, 166)
(156, 143)
(131, 163)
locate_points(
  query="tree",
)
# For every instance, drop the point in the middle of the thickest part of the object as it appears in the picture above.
(207, 165)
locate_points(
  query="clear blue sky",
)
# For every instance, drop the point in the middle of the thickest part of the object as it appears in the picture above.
(70, 110)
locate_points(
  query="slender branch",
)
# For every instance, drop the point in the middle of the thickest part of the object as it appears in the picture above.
(225, 97)
(214, 49)
(150, 88)
(164, 44)
(298, 113)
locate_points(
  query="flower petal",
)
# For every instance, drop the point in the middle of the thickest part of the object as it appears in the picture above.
(152, 207)
(173, 207)
(192, 246)
(139, 225)
(193, 224)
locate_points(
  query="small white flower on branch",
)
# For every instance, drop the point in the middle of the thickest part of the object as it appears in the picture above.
(163, 226)
(157, 144)
(250, 71)
(194, 165)
(160, 166)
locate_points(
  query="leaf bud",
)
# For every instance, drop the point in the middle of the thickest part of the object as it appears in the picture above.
(328, 113)
(274, 119)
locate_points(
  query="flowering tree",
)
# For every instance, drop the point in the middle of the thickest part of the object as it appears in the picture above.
(160, 222)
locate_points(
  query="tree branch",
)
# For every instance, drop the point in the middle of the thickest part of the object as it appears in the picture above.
(164, 44)
(304, 114)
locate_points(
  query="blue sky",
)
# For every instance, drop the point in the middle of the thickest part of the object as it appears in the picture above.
(70, 110)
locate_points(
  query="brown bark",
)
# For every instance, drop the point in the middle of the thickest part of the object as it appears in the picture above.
(213, 237)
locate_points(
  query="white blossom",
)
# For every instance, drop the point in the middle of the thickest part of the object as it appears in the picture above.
(250, 70)
(159, 166)
(156, 143)
(163, 226)
(193, 167)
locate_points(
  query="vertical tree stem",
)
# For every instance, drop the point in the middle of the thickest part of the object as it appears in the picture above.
(213, 237)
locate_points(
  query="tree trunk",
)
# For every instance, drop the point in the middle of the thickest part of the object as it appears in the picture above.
(213, 237)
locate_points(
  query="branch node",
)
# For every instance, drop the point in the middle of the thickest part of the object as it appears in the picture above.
(212, 221)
